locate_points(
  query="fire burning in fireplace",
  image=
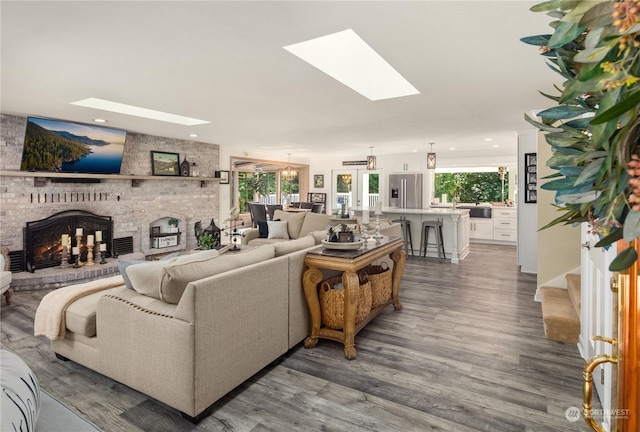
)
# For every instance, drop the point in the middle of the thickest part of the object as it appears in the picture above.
(43, 238)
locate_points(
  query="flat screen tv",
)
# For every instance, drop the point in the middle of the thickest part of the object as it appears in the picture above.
(68, 147)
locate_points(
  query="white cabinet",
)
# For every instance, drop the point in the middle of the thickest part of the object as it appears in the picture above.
(505, 224)
(481, 228)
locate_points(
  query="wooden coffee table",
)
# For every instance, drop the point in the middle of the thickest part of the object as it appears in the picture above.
(349, 262)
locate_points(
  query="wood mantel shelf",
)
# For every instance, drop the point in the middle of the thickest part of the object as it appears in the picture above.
(40, 177)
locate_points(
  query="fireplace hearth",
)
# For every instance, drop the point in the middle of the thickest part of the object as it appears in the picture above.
(43, 238)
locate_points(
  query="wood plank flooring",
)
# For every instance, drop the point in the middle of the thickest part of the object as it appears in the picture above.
(467, 353)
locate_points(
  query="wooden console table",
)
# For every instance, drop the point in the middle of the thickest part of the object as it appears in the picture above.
(349, 262)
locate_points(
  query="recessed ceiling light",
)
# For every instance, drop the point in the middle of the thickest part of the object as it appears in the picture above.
(193, 135)
(452, 148)
(99, 120)
(347, 58)
(488, 139)
(495, 146)
(106, 105)
(414, 151)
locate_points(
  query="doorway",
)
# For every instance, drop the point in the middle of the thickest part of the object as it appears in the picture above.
(356, 188)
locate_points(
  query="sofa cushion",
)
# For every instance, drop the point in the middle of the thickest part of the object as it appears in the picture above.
(294, 221)
(145, 278)
(318, 236)
(124, 264)
(263, 229)
(313, 222)
(176, 277)
(278, 230)
(80, 316)
(284, 248)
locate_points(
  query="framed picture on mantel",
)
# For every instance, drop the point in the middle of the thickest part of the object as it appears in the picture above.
(165, 164)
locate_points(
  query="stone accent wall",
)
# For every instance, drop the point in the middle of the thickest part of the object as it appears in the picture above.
(132, 208)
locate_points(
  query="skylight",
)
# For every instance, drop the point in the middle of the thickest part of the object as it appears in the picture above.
(121, 108)
(347, 58)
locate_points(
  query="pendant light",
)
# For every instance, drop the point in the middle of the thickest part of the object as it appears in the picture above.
(371, 160)
(431, 158)
(289, 173)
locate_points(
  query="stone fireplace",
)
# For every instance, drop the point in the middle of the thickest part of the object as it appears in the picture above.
(43, 238)
(135, 206)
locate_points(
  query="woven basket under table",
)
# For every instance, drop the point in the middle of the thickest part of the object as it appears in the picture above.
(332, 302)
(380, 279)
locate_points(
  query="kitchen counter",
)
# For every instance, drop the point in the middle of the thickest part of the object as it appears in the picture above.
(455, 226)
(490, 223)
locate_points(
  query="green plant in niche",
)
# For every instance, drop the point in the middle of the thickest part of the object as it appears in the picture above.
(172, 222)
(205, 241)
(594, 131)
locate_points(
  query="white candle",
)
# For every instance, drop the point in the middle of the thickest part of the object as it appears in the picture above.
(103, 247)
(90, 240)
(65, 240)
(78, 231)
(379, 207)
(76, 250)
(98, 235)
(365, 216)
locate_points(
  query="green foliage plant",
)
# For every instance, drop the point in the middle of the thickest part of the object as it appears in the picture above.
(205, 241)
(594, 130)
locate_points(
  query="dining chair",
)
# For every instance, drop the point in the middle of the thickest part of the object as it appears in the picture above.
(258, 212)
(317, 208)
(271, 209)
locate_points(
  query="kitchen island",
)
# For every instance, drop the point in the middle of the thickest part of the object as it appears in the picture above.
(455, 228)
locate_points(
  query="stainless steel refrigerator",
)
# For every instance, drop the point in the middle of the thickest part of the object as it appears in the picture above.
(405, 191)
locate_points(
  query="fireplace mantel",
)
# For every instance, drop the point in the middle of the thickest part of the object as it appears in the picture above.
(40, 178)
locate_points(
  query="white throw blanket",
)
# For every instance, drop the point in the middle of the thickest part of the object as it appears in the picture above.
(50, 316)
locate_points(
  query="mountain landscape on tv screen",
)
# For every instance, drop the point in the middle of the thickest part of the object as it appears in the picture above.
(63, 151)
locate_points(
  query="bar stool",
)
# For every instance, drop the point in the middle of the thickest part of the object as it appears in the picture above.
(436, 225)
(405, 226)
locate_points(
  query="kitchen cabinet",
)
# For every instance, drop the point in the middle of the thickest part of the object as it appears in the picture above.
(505, 224)
(481, 229)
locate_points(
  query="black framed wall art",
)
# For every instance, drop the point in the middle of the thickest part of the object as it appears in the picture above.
(531, 178)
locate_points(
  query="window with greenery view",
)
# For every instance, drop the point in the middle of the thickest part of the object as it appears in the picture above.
(471, 187)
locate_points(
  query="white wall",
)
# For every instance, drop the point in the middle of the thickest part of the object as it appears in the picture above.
(558, 246)
(527, 212)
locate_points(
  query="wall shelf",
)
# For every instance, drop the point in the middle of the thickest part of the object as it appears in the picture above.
(40, 178)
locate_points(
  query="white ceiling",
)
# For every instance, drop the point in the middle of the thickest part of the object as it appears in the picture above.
(224, 62)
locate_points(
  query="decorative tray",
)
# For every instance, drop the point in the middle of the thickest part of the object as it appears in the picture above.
(343, 246)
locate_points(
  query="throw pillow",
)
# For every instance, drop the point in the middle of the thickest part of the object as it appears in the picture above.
(21, 401)
(263, 229)
(294, 220)
(123, 264)
(278, 230)
(314, 222)
(122, 268)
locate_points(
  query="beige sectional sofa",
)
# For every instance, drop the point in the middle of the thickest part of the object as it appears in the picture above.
(195, 329)
(298, 224)
(301, 224)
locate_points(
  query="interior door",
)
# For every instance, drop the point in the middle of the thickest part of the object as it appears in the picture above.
(356, 188)
(598, 309)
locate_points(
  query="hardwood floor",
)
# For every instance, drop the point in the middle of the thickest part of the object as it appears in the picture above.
(467, 353)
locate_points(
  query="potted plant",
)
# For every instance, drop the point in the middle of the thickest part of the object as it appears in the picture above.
(594, 131)
(205, 241)
(173, 225)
